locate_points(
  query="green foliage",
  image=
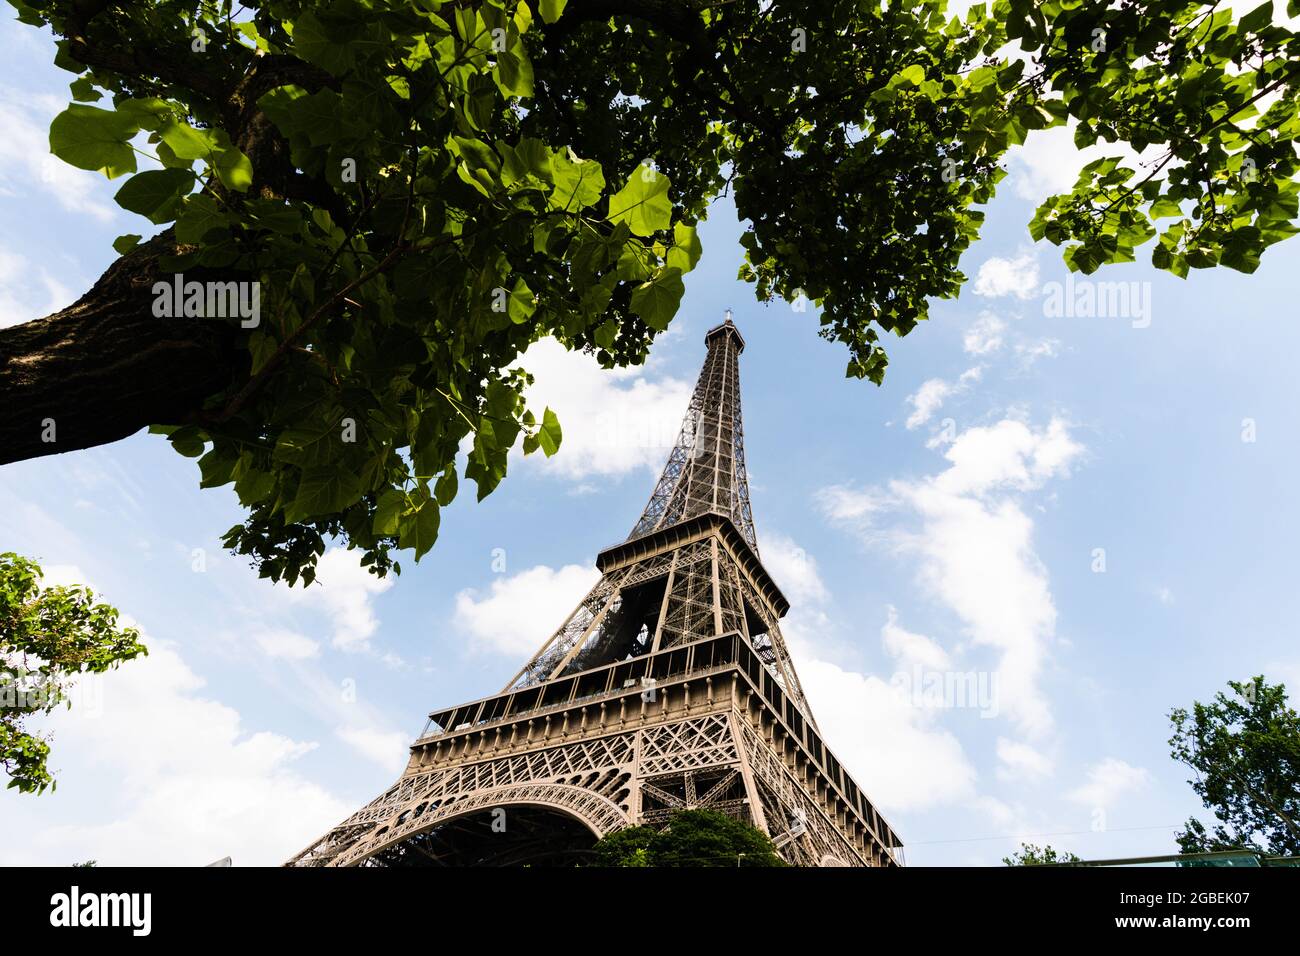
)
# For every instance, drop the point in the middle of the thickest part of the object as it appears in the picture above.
(47, 637)
(692, 838)
(1031, 855)
(1245, 750)
(91, 138)
(1216, 104)
(423, 190)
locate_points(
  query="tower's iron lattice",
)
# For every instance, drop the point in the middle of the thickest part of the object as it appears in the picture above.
(668, 687)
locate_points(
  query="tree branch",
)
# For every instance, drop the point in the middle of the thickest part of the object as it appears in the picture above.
(105, 367)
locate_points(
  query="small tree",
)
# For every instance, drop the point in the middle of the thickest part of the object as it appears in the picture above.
(47, 636)
(1030, 855)
(692, 838)
(1245, 751)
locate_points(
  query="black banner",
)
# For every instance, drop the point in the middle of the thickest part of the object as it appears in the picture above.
(214, 906)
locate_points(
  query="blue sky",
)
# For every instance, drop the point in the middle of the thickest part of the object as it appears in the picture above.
(953, 522)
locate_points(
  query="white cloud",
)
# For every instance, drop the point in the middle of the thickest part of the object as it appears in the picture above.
(289, 645)
(523, 610)
(390, 749)
(975, 548)
(1109, 780)
(794, 570)
(887, 742)
(884, 735)
(1030, 352)
(65, 575)
(929, 398)
(26, 162)
(159, 775)
(1001, 277)
(1021, 761)
(852, 506)
(27, 290)
(614, 420)
(984, 335)
(1007, 454)
(346, 591)
(990, 333)
(911, 649)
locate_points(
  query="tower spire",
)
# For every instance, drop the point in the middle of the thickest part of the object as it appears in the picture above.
(706, 472)
(690, 569)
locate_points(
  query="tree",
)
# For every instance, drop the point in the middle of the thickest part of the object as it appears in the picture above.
(1245, 750)
(691, 838)
(48, 635)
(369, 209)
(1030, 855)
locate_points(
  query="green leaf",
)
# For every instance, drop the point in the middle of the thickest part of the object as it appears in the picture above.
(910, 76)
(529, 158)
(521, 303)
(199, 216)
(445, 489)
(418, 528)
(314, 45)
(83, 90)
(90, 138)
(124, 244)
(388, 511)
(643, 203)
(234, 169)
(523, 17)
(1164, 207)
(216, 468)
(551, 9)
(156, 193)
(686, 249)
(549, 434)
(280, 105)
(230, 164)
(605, 333)
(187, 441)
(186, 141)
(323, 490)
(514, 73)
(578, 184)
(656, 301)
(147, 112)
(636, 264)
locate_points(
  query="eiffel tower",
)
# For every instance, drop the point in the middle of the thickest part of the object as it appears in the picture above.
(669, 687)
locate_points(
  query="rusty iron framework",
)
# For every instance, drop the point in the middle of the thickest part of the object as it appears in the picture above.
(668, 687)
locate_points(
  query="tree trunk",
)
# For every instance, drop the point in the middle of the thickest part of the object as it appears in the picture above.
(105, 367)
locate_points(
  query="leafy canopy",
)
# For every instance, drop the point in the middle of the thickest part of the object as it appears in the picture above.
(48, 635)
(691, 838)
(423, 189)
(1244, 748)
(1031, 855)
